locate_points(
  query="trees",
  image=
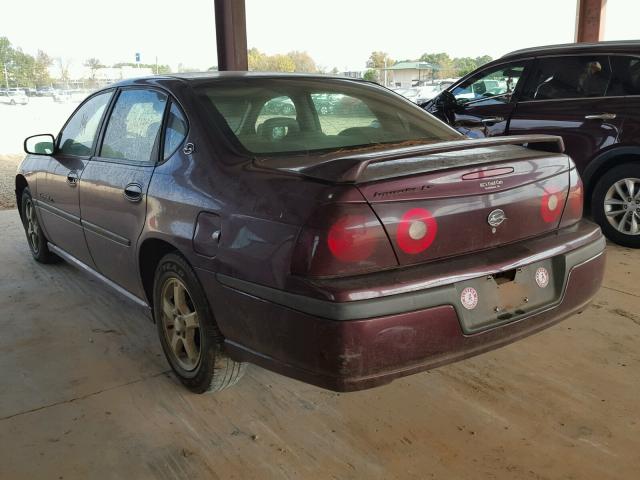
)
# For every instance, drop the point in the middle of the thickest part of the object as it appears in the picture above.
(371, 75)
(22, 69)
(293, 61)
(41, 69)
(93, 64)
(453, 67)
(379, 60)
(303, 62)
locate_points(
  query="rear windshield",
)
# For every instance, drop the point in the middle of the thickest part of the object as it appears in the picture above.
(291, 115)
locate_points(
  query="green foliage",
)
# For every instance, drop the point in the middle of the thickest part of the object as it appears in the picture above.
(371, 75)
(453, 67)
(379, 60)
(293, 61)
(41, 69)
(22, 69)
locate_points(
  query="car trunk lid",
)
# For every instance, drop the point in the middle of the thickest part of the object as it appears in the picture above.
(518, 194)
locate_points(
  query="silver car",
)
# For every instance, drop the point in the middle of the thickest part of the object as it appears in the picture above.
(14, 97)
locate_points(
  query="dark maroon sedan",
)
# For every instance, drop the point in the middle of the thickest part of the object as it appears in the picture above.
(344, 249)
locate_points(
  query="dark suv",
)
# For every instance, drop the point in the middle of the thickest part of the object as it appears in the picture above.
(587, 93)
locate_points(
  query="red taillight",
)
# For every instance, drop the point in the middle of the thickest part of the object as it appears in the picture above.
(416, 231)
(350, 239)
(342, 239)
(573, 210)
(552, 204)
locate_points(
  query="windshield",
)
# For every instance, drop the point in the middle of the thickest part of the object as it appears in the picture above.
(293, 115)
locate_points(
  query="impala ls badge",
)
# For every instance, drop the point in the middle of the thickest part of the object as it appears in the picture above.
(495, 218)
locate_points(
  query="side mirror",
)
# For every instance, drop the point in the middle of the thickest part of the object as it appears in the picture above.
(40, 144)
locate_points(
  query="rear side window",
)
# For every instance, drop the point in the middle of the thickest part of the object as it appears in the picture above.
(626, 76)
(134, 126)
(581, 76)
(176, 131)
(80, 132)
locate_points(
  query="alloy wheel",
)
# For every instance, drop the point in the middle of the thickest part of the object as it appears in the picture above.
(622, 206)
(33, 230)
(181, 324)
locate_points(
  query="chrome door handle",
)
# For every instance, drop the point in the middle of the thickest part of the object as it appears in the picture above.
(492, 120)
(72, 178)
(600, 116)
(133, 192)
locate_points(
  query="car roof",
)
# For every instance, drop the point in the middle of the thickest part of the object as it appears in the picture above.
(202, 77)
(618, 46)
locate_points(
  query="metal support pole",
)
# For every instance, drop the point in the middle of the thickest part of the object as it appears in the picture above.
(590, 20)
(231, 35)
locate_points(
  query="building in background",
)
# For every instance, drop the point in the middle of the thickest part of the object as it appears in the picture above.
(411, 74)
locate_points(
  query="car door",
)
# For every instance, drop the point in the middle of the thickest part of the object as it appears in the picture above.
(114, 185)
(566, 96)
(58, 190)
(484, 102)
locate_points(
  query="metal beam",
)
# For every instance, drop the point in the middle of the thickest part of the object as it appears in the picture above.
(590, 20)
(231, 34)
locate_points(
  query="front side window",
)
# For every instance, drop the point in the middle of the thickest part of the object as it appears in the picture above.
(580, 76)
(492, 86)
(134, 126)
(80, 132)
(626, 76)
(176, 131)
(288, 116)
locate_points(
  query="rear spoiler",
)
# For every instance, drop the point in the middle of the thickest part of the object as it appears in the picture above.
(349, 168)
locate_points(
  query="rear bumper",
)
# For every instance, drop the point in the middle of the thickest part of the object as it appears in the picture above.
(353, 345)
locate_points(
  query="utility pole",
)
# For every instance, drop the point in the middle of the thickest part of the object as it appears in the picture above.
(156, 64)
(6, 76)
(385, 71)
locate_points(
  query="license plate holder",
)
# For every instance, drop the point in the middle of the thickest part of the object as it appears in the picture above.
(507, 296)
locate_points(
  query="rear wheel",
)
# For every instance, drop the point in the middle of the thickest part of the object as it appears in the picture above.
(35, 236)
(616, 204)
(188, 333)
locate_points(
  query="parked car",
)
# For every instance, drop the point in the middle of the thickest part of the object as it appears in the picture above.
(45, 92)
(62, 96)
(280, 106)
(587, 93)
(326, 103)
(14, 97)
(344, 258)
(427, 92)
(410, 94)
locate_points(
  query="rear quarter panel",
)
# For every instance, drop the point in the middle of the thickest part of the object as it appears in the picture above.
(260, 213)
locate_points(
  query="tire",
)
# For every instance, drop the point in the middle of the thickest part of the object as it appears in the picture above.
(35, 236)
(211, 370)
(613, 188)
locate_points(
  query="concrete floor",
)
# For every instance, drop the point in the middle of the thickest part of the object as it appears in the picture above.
(86, 393)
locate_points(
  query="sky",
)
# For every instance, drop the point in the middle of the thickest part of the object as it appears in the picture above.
(336, 33)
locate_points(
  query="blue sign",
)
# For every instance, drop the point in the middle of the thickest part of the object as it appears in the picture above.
(137, 57)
